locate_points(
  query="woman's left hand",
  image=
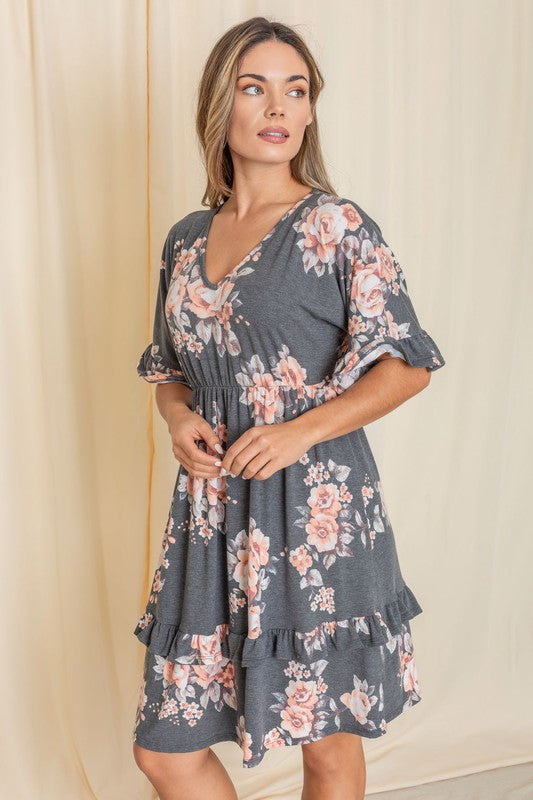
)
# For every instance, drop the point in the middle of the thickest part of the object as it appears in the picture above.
(264, 449)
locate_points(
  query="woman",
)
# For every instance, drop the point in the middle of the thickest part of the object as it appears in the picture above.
(278, 613)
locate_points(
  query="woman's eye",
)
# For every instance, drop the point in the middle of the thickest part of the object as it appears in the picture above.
(255, 86)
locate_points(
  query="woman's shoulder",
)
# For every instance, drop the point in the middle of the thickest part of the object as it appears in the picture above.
(191, 223)
(354, 211)
(339, 216)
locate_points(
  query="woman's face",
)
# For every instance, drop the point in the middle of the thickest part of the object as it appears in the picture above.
(264, 97)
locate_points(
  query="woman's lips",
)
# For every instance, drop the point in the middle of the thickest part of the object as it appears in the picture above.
(273, 137)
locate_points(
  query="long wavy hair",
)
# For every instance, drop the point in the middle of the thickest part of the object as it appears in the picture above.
(215, 101)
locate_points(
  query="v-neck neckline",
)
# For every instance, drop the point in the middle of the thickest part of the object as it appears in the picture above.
(211, 213)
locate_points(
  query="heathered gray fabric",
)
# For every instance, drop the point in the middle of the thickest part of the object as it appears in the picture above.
(278, 613)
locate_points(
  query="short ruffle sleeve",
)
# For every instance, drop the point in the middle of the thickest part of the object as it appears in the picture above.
(159, 363)
(380, 315)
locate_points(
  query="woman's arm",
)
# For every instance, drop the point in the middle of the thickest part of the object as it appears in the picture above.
(172, 397)
(380, 390)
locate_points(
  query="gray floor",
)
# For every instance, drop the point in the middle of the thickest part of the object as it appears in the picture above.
(507, 783)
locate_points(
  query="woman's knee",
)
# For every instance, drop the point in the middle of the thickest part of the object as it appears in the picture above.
(329, 754)
(155, 764)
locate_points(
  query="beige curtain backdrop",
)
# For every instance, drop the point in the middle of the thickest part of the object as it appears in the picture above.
(427, 122)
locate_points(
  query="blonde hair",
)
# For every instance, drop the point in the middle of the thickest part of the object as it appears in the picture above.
(215, 101)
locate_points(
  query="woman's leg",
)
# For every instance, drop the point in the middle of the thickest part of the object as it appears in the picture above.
(334, 768)
(185, 776)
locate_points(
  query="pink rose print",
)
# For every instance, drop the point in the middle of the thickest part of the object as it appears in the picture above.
(377, 517)
(197, 313)
(305, 708)
(249, 561)
(330, 521)
(324, 228)
(180, 682)
(270, 394)
(360, 700)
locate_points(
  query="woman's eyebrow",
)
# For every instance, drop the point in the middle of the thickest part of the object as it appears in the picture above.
(262, 77)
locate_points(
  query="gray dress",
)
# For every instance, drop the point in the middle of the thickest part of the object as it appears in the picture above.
(278, 613)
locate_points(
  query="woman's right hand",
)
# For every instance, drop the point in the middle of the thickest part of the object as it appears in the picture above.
(186, 427)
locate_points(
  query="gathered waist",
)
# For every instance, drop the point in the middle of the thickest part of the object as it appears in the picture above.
(268, 402)
(307, 389)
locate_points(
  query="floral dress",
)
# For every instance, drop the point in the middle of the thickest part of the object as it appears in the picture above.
(278, 613)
